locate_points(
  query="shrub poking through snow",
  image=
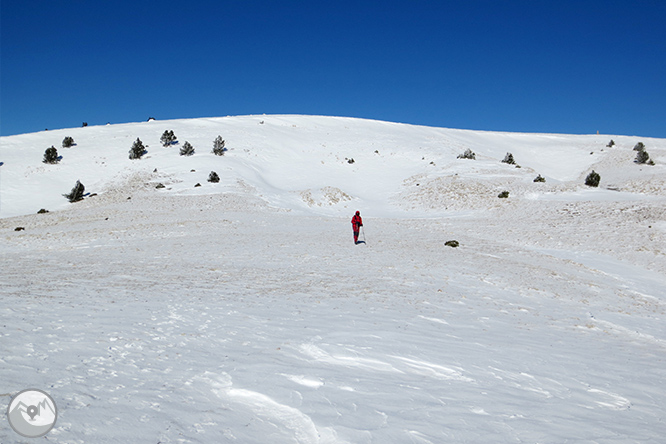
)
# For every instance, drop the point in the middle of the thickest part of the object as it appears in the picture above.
(187, 149)
(503, 195)
(67, 142)
(137, 150)
(77, 192)
(168, 138)
(539, 178)
(51, 155)
(218, 146)
(509, 159)
(213, 177)
(642, 157)
(611, 144)
(468, 154)
(593, 179)
(452, 243)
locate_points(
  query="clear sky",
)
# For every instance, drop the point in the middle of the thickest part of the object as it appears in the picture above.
(529, 66)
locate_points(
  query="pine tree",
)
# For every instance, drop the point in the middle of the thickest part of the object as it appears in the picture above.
(51, 155)
(218, 146)
(468, 154)
(639, 146)
(67, 142)
(137, 150)
(593, 179)
(168, 138)
(509, 159)
(213, 177)
(643, 157)
(77, 192)
(187, 149)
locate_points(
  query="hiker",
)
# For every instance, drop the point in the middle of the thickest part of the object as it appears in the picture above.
(357, 223)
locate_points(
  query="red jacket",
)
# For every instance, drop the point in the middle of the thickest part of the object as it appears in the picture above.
(357, 221)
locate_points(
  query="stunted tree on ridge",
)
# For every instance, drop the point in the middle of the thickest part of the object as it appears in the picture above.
(218, 146)
(67, 142)
(187, 149)
(77, 192)
(137, 150)
(168, 138)
(51, 155)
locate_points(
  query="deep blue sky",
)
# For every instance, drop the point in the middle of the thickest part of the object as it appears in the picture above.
(529, 66)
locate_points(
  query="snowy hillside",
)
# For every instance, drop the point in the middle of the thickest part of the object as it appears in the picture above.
(241, 311)
(300, 162)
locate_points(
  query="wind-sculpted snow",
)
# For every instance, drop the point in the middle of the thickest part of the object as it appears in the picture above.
(246, 314)
(303, 163)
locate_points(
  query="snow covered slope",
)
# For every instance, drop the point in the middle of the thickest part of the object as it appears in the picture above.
(242, 311)
(301, 162)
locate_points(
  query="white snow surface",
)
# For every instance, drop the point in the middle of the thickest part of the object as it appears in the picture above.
(242, 312)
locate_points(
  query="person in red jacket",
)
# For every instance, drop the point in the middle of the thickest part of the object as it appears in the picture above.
(357, 223)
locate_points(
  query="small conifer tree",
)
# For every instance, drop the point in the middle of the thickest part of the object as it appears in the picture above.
(77, 192)
(137, 150)
(593, 179)
(213, 177)
(539, 178)
(611, 144)
(468, 154)
(51, 155)
(187, 149)
(168, 138)
(67, 142)
(642, 157)
(639, 146)
(509, 159)
(218, 146)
